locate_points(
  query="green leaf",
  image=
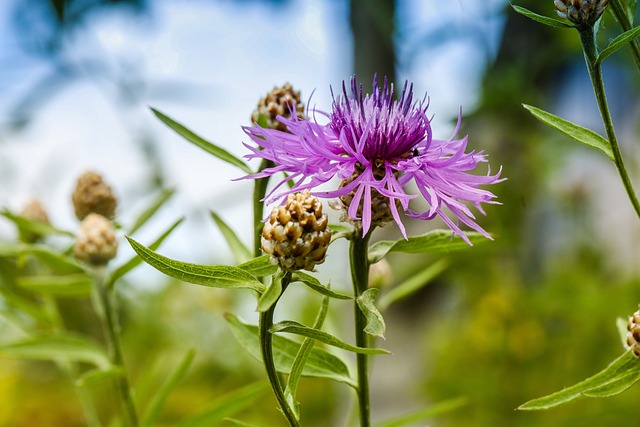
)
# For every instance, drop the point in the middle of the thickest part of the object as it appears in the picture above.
(239, 251)
(152, 412)
(239, 423)
(260, 266)
(136, 260)
(436, 241)
(541, 18)
(271, 294)
(207, 146)
(320, 364)
(29, 226)
(226, 405)
(340, 231)
(413, 284)
(151, 210)
(54, 260)
(375, 322)
(99, 376)
(24, 305)
(301, 359)
(615, 378)
(580, 134)
(11, 250)
(69, 347)
(72, 285)
(299, 329)
(617, 43)
(423, 414)
(217, 276)
(315, 284)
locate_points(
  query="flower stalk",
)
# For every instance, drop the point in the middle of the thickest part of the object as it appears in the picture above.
(266, 348)
(105, 307)
(589, 46)
(359, 259)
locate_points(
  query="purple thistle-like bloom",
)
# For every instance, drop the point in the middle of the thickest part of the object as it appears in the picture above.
(376, 145)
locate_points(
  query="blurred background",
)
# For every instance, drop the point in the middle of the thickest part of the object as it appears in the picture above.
(525, 315)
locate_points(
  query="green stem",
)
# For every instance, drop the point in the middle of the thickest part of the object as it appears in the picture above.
(259, 191)
(588, 39)
(108, 317)
(266, 348)
(623, 19)
(359, 260)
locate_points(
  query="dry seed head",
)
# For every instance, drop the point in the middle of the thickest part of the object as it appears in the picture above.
(296, 235)
(581, 12)
(34, 211)
(96, 242)
(633, 337)
(281, 101)
(93, 195)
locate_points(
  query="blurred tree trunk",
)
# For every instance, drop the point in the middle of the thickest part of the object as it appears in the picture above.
(373, 25)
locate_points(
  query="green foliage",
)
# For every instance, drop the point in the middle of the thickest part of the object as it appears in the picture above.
(580, 134)
(70, 285)
(293, 327)
(217, 276)
(320, 363)
(541, 18)
(621, 374)
(239, 251)
(375, 322)
(151, 210)
(436, 241)
(315, 285)
(260, 266)
(31, 227)
(271, 294)
(207, 146)
(425, 413)
(617, 43)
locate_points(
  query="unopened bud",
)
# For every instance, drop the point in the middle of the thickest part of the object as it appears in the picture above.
(281, 101)
(96, 242)
(34, 211)
(581, 12)
(93, 195)
(296, 234)
(633, 337)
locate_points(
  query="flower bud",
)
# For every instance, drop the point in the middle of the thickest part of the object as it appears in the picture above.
(96, 242)
(34, 211)
(296, 234)
(93, 195)
(633, 337)
(281, 101)
(582, 13)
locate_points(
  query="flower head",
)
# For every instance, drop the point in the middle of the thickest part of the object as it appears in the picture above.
(376, 145)
(583, 13)
(93, 195)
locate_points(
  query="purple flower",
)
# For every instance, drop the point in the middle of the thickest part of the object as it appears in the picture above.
(376, 145)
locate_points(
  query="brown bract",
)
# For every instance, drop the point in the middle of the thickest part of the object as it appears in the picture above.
(281, 101)
(96, 242)
(93, 195)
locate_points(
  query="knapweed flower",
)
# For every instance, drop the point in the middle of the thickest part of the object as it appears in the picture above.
(583, 13)
(377, 146)
(633, 337)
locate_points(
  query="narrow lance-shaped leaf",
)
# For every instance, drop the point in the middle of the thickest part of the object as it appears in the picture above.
(579, 133)
(70, 285)
(617, 43)
(56, 261)
(99, 376)
(375, 322)
(340, 231)
(148, 213)
(239, 423)
(34, 227)
(160, 397)
(617, 377)
(621, 325)
(136, 260)
(207, 146)
(413, 284)
(301, 359)
(227, 405)
(436, 241)
(62, 346)
(271, 294)
(217, 276)
(423, 414)
(239, 251)
(315, 284)
(320, 364)
(541, 18)
(305, 331)
(260, 266)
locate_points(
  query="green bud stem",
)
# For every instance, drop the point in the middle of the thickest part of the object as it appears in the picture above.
(105, 308)
(266, 348)
(359, 260)
(589, 46)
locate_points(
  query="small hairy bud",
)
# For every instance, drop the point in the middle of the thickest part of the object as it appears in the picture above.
(34, 211)
(93, 195)
(581, 12)
(281, 101)
(296, 234)
(96, 242)
(633, 337)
